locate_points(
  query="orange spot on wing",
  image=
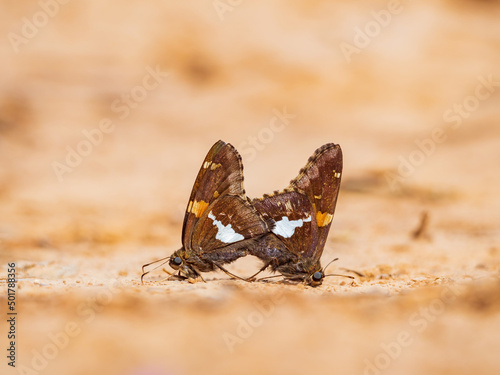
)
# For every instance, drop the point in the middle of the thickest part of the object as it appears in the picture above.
(198, 208)
(323, 219)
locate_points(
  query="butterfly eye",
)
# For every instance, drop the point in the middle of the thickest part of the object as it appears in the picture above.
(177, 261)
(317, 276)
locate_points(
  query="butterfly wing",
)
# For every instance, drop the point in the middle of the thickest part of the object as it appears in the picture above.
(320, 182)
(227, 220)
(294, 217)
(220, 174)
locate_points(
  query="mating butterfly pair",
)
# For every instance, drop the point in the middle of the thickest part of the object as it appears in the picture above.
(287, 230)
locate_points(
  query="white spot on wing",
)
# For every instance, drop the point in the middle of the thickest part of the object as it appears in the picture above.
(225, 233)
(286, 228)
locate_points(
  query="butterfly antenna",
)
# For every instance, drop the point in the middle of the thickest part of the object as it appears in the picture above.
(153, 262)
(336, 274)
(354, 271)
(148, 264)
(334, 260)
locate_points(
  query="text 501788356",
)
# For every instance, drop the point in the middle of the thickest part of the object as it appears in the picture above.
(11, 314)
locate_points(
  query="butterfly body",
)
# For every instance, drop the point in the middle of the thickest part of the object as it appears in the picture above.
(278, 258)
(192, 264)
(220, 222)
(302, 213)
(287, 230)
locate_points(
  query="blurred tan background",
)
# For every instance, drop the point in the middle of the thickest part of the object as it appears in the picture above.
(107, 110)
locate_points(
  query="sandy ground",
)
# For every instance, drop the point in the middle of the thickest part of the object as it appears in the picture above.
(411, 92)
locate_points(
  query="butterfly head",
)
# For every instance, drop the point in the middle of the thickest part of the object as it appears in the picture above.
(313, 273)
(305, 271)
(316, 278)
(178, 262)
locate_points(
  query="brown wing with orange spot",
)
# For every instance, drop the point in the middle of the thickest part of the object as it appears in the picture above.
(221, 174)
(320, 181)
(295, 222)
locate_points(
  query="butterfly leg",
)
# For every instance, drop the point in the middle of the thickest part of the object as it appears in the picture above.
(229, 273)
(253, 277)
(273, 263)
(194, 280)
(172, 276)
(272, 277)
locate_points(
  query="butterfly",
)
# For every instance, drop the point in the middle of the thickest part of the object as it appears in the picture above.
(220, 222)
(302, 215)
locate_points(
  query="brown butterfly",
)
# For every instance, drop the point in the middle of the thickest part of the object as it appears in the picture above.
(220, 223)
(303, 214)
